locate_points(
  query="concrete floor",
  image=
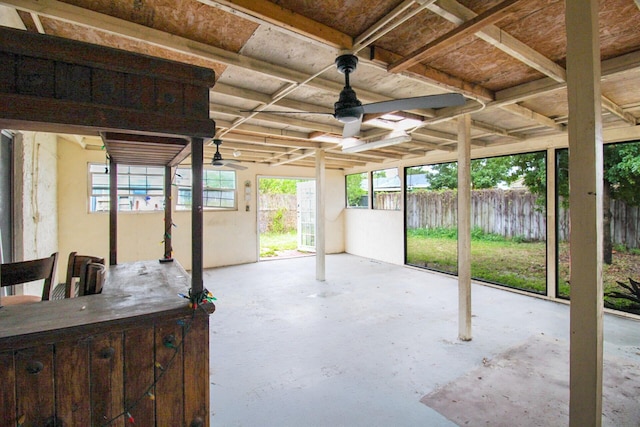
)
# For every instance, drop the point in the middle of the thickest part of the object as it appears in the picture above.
(363, 347)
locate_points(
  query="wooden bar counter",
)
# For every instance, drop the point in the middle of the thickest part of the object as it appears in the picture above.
(137, 353)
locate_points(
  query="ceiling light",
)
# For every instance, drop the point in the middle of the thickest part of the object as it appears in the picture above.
(357, 148)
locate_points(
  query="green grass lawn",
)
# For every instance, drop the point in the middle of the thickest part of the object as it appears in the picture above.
(519, 265)
(271, 243)
(513, 263)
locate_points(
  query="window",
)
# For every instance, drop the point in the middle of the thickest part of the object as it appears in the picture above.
(140, 188)
(357, 190)
(219, 189)
(386, 189)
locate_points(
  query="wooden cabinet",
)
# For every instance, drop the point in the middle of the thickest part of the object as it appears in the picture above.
(148, 363)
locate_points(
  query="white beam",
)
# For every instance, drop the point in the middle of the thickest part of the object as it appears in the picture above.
(585, 195)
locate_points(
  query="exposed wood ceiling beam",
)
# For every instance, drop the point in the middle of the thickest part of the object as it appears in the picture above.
(532, 115)
(266, 141)
(263, 11)
(382, 57)
(399, 15)
(37, 22)
(489, 17)
(262, 98)
(492, 129)
(294, 157)
(616, 110)
(457, 13)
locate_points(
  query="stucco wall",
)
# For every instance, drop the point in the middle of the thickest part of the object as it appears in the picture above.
(230, 237)
(35, 198)
(375, 234)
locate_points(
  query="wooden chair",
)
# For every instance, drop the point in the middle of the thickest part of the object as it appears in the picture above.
(92, 276)
(16, 273)
(74, 269)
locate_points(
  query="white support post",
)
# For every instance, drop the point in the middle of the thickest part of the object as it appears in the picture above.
(552, 232)
(585, 198)
(320, 215)
(464, 228)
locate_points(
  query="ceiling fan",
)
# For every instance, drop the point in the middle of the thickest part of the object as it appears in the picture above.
(349, 110)
(218, 161)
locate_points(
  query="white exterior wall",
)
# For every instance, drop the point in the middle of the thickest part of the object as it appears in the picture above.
(230, 237)
(375, 234)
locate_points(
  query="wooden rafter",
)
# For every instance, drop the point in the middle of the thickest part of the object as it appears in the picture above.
(432, 76)
(263, 11)
(491, 16)
(457, 13)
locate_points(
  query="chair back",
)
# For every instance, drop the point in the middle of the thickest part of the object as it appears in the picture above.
(16, 273)
(92, 276)
(74, 270)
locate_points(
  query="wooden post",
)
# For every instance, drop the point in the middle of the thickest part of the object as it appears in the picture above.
(464, 228)
(320, 215)
(196, 215)
(113, 212)
(168, 220)
(552, 232)
(585, 198)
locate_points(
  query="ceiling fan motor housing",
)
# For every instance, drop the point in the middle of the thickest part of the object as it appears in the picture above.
(348, 108)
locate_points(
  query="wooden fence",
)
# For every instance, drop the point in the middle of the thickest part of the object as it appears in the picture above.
(511, 213)
(271, 206)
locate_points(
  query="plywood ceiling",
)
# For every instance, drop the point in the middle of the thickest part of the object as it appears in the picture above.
(506, 56)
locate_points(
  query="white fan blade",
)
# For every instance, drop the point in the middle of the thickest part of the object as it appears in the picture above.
(351, 129)
(234, 165)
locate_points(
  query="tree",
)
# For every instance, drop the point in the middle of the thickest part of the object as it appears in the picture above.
(354, 189)
(278, 185)
(485, 173)
(621, 180)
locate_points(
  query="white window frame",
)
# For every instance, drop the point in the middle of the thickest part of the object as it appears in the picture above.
(140, 188)
(223, 197)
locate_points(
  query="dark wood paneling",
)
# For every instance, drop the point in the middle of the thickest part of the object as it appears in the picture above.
(35, 77)
(139, 375)
(106, 347)
(107, 380)
(196, 102)
(18, 111)
(140, 99)
(7, 389)
(7, 72)
(73, 82)
(108, 88)
(59, 85)
(96, 56)
(73, 388)
(169, 97)
(34, 385)
(196, 385)
(169, 404)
